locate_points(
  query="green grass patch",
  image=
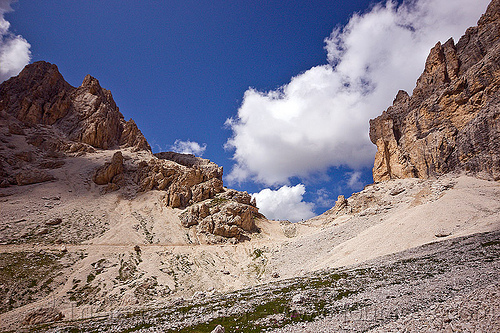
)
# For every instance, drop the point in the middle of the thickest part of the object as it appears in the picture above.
(24, 273)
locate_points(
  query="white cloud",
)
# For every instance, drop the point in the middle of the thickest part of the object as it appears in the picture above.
(188, 147)
(320, 118)
(284, 204)
(324, 198)
(354, 181)
(14, 49)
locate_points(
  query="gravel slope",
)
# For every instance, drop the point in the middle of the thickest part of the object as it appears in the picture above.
(442, 286)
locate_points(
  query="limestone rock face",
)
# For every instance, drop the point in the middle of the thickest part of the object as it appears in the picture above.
(192, 180)
(452, 120)
(39, 95)
(100, 124)
(40, 108)
(230, 214)
(110, 171)
(132, 137)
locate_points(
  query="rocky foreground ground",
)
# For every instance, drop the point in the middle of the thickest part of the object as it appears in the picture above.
(450, 286)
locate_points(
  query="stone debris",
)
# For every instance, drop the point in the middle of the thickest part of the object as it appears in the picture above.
(299, 299)
(54, 221)
(219, 329)
(43, 315)
(43, 231)
(400, 292)
(397, 190)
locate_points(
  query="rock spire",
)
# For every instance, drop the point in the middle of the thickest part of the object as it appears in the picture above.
(452, 120)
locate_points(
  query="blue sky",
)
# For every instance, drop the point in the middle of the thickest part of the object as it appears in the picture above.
(251, 85)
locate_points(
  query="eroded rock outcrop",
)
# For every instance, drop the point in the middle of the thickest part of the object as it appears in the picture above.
(230, 214)
(185, 183)
(110, 172)
(43, 315)
(39, 95)
(341, 206)
(452, 120)
(190, 183)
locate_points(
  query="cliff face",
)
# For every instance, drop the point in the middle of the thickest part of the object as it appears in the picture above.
(452, 120)
(39, 95)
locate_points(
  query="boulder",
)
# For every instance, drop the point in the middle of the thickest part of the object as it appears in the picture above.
(54, 221)
(110, 171)
(219, 329)
(30, 176)
(299, 299)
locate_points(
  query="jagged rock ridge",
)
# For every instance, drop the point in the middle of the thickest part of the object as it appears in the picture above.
(452, 120)
(44, 121)
(189, 182)
(56, 120)
(39, 95)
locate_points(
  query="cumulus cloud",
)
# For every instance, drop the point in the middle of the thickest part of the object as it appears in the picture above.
(324, 198)
(188, 147)
(320, 118)
(285, 203)
(354, 181)
(14, 49)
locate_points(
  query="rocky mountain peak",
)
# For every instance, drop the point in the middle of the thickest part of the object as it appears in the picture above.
(91, 82)
(451, 121)
(40, 73)
(39, 95)
(92, 86)
(45, 123)
(492, 14)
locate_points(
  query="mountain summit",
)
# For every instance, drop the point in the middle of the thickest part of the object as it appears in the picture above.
(46, 121)
(39, 95)
(452, 120)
